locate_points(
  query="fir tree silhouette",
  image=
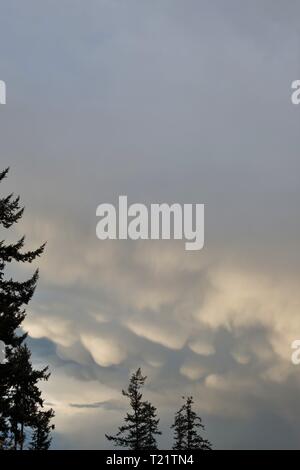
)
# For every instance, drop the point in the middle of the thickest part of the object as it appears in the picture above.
(41, 437)
(187, 426)
(21, 404)
(179, 427)
(141, 425)
(151, 426)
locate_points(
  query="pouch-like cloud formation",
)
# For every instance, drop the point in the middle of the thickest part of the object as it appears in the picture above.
(162, 101)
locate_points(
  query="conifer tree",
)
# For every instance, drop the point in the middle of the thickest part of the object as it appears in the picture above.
(179, 430)
(140, 426)
(187, 426)
(151, 426)
(41, 437)
(20, 397)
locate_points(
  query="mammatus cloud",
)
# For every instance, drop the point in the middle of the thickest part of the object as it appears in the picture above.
(173, 103)
(202, 347)
(193, 370)
(241, 300)
(230, 328)
(104, 351)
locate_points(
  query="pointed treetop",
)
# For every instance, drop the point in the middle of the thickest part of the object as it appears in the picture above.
(3, 174)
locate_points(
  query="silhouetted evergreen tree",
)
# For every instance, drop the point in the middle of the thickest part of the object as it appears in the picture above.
(187, 426)
(179, 427)
(41, 437)
(140, 426)
(151, 427)
(20, 397)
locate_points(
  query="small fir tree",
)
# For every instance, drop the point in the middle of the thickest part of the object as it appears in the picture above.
(187, 426)
(151, 426)
(140, 426)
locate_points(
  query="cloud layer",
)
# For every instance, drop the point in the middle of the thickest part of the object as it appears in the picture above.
(163, 102)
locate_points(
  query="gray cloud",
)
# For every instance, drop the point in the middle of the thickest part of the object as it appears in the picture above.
(169, 102)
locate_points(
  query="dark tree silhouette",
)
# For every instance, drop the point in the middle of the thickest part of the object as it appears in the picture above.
(21, 404)
(141, 424)
(187, 426)
(42, 427)
(151, 426)
(179, 427)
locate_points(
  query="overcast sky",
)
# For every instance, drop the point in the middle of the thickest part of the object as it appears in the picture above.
(163, 101)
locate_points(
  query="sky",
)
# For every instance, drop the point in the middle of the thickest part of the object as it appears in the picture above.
(162, 101)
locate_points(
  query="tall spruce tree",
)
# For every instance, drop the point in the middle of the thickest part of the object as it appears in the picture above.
(41, 437)
(151, 426)
(187, 426)
(21, 404)
(141, 425)
(179, 430)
